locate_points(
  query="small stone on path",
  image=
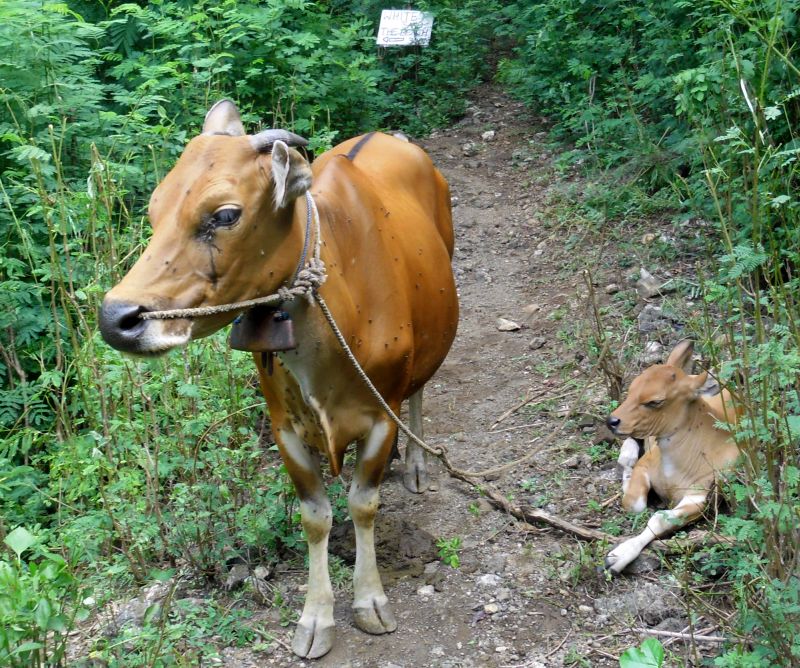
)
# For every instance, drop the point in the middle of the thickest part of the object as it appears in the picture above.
(506, 325)
(537, 342)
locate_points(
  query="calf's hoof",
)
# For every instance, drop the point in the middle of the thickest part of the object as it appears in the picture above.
(312, 642)
(376, 619)
(619, 558)
(415, 478)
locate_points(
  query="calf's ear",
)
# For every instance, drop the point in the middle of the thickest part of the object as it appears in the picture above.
(696, 382)
(681, 355)
(223, 119)
(291, 174)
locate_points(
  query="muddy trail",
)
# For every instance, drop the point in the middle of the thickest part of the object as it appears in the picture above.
(518, 383)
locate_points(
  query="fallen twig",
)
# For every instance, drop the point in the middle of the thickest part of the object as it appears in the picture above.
(519, 426)
(535, 516)
(528, 398)
(681, 636)
(603, 653)
(559, 646)
(610, 500)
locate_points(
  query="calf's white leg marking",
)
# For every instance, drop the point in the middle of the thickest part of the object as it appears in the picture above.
(628, 456)
(661, 523)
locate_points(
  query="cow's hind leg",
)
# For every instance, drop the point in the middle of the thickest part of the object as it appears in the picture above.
(370, 606)
(415, 475)
(314, 632)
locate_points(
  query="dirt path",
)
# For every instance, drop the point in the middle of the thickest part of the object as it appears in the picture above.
(521, 596)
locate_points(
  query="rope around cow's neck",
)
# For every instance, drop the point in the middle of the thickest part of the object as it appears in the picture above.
(306, 284)
(306, 280)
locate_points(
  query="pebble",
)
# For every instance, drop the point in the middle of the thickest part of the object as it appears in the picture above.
(647, 285)
(489, 580)
(491, 608)
(469, 149)
(506, 325)
(612, 289)
(586, 609)
(653, 352)
(537, 342)
(489, 135)
(238, 574)
(426, 590)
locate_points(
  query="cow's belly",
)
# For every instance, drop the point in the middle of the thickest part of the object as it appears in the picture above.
(323, 416)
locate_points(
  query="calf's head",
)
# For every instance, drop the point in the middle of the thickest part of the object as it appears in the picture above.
(222, 232)
(659, 398)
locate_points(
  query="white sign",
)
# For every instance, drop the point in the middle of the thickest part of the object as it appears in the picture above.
(404, 27)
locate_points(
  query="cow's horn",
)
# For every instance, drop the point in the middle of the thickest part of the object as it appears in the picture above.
(263, 141)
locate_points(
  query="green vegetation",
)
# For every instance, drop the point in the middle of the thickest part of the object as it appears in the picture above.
(649, 655)
(449, 549)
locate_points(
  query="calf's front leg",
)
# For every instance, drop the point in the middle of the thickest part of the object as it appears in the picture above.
(314, 633)
(371, 609)
(660, 524)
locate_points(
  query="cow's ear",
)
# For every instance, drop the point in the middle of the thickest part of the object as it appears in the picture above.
(223, 119)
(681, 355)
(291, 174)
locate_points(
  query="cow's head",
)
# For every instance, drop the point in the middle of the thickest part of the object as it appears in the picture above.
(659, 398)
(223, 232)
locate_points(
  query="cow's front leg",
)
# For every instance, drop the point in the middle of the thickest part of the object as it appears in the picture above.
(314, 633)
(661, 523)
(370, 606)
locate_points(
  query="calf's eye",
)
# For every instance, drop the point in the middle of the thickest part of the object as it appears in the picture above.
(654, 404)
(226, 216)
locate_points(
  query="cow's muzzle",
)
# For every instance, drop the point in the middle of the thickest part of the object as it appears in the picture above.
(121, 326)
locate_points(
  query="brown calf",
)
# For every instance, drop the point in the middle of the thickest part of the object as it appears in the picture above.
(684, 448)
(229, 224)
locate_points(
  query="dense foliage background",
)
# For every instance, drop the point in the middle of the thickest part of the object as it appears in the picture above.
(685, 105)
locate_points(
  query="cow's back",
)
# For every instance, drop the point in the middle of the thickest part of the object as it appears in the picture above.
(389, 240)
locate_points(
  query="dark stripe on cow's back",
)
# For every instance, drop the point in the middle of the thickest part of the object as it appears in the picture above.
(358, 146)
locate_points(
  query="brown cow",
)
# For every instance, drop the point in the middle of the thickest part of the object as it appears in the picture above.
(229, 224)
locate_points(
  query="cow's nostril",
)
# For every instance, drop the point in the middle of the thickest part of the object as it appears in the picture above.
(121, 325)
(612, 422)
(132, 320)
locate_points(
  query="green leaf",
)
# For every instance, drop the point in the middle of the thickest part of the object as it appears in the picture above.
(19, 540)
(26, 647)
(42, 614)
(649, 655)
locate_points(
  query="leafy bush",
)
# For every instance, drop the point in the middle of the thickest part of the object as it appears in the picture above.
(37, 605)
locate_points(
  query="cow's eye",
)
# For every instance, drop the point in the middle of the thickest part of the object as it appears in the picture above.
(654, 404)
(226, 216)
